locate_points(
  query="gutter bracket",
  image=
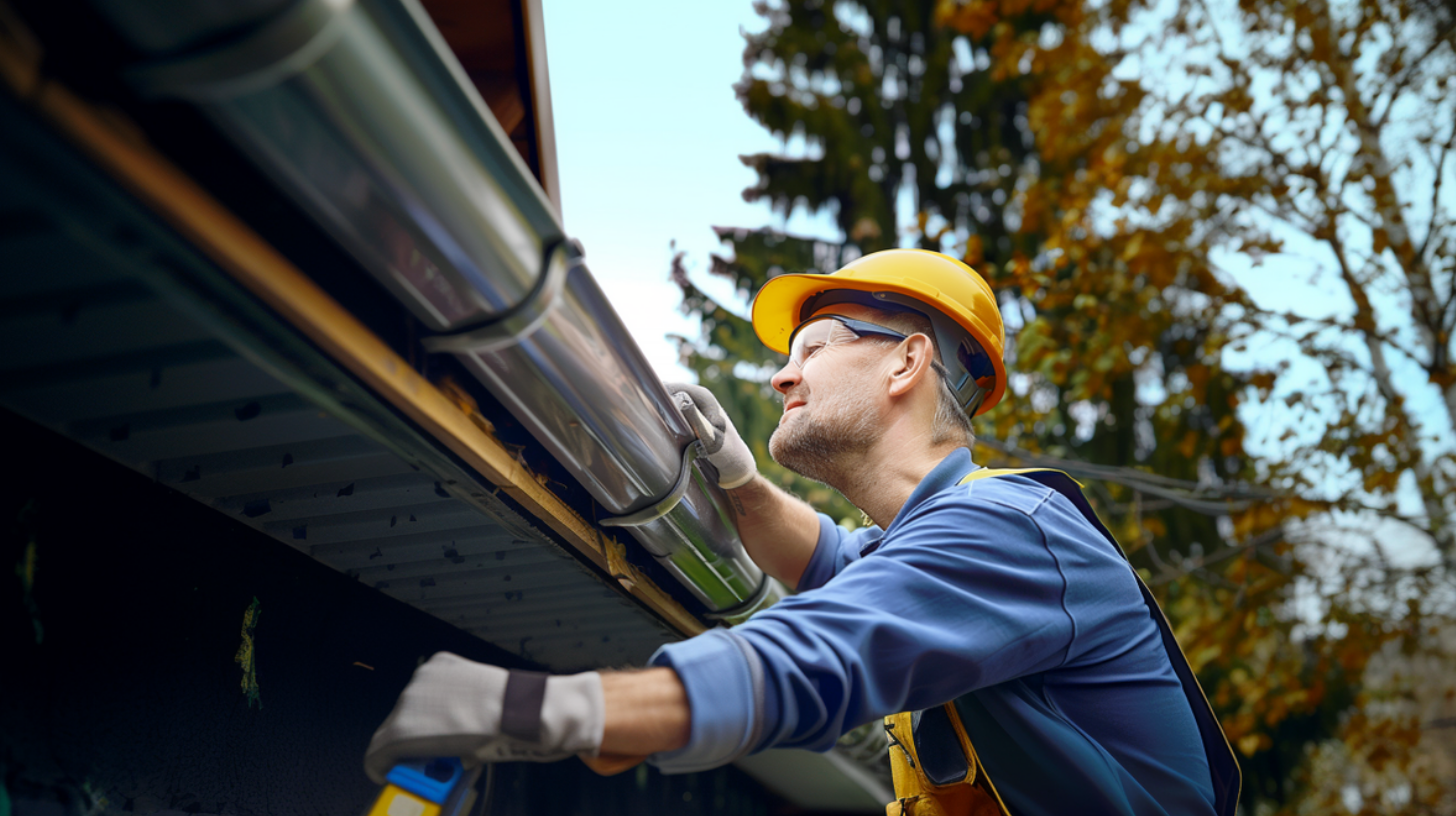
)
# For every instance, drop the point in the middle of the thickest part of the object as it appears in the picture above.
(519, 321)
(665, 505)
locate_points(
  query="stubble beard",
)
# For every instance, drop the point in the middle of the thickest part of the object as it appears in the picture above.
(821, 438)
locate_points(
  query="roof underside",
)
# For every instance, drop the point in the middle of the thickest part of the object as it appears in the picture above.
(118, 335)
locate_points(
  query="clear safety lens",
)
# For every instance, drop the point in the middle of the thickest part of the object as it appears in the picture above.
(817, 335)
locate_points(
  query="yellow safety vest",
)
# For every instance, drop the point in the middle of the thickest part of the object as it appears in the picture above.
(940, 729)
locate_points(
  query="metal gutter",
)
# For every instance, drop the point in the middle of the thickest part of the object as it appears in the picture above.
(235, 248)
(360, 111)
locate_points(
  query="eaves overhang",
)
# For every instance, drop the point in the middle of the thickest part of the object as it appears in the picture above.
(167, 334)
(137, 336)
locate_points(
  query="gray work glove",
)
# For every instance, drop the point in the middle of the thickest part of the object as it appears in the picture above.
(725, 448)
(454, 707)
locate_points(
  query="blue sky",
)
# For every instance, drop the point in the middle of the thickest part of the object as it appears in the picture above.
(648, 134)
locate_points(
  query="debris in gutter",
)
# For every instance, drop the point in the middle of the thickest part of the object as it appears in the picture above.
(246, 656)
(465, 403)
(617, 564)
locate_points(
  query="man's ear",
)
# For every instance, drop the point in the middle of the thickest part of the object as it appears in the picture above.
(911, 362)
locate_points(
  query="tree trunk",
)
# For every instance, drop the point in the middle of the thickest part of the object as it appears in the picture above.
(1425, 306)
(1432, 497)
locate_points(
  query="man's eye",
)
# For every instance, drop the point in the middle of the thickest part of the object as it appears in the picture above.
(810, 349)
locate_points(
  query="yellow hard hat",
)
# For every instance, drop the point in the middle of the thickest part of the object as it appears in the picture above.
(958, 301)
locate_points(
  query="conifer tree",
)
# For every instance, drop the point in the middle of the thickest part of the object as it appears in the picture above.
(892, 113)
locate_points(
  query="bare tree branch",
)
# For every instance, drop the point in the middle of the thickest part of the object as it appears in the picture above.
(1398, 84)
(1432, 227)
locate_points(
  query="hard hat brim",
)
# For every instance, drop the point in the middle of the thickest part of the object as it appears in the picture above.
(776, 312)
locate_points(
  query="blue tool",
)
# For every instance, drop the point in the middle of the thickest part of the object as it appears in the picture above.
(427, 787)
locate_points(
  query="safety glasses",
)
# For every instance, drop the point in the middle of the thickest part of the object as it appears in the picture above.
(813, 336)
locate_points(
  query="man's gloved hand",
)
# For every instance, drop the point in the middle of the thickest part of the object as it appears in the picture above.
(480, 713)
(725, 448)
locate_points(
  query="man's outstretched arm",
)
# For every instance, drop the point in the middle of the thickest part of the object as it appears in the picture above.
(457, 707)
(647, 712)
(779, 531)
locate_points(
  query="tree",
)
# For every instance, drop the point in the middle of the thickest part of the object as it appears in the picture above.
(1122, 363)
(1176, 135)
(1100, 214)
(888, 110)
(1335, 127)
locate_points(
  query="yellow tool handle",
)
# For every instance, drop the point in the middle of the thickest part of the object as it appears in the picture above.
(438, 787)
(396, 801)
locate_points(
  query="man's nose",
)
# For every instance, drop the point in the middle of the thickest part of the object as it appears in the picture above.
(786, 378)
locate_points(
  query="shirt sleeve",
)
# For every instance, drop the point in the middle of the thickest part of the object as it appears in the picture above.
(959, 598)
(837, 549)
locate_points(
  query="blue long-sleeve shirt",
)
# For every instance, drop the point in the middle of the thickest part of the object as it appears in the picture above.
(996, 592)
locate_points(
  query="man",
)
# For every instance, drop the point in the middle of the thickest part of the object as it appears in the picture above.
(1002, 594)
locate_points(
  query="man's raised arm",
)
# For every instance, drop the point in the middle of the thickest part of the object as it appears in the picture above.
(778, 530)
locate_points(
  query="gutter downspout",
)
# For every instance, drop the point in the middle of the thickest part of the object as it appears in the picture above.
(361, 111)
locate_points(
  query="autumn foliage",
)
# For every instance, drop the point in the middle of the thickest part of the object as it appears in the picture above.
(1221, 237)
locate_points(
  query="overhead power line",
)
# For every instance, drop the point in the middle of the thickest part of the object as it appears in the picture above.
(1212, 500)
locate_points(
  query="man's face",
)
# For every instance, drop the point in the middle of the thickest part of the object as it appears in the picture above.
(830, 405)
